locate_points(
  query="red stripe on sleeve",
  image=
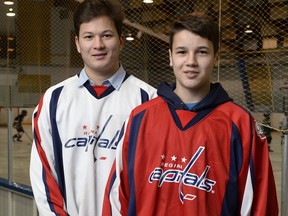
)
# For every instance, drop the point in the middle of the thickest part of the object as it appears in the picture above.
(55, 196)
(106, 210)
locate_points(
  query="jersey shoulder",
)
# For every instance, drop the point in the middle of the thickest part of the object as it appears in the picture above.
(233, 110)
(240, 116)
(66, 82)
(70, 83)
(134, 81)
(151, 104)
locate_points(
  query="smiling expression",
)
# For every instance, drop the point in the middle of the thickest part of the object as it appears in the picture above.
(99, 45)
(192, 58)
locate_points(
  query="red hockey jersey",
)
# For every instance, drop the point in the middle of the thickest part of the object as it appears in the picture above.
(212, 160)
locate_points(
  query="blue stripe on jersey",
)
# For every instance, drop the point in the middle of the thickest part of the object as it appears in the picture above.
(57, 144)
(230, 200)
(144, 96)
(47, 191)
(135, 125)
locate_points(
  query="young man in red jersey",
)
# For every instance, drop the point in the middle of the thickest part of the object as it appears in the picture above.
(78, 122)
(192, 150)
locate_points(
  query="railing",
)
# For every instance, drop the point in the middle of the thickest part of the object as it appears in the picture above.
(16, 199)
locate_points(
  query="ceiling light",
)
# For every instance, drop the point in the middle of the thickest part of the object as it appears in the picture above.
(148, 1)
(11, 13)
(8, 2)
(248, 29)
(129, 37)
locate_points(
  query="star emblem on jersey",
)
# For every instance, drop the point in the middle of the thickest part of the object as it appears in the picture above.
(174, 158)
(183, 160)
(91, 131)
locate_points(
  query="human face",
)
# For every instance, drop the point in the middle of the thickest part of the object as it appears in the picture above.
(99, 45)
(192, 58)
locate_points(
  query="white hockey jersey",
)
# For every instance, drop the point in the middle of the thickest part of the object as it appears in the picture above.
(75, 137)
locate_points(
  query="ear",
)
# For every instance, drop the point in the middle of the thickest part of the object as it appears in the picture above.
(170, 58)
(122, 41)
(216, 59)
(77, 44)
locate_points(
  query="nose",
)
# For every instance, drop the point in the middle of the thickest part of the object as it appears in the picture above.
(98, 43)
(191, 59)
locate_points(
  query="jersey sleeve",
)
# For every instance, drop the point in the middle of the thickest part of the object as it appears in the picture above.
(259, 196)
(48, 197)
(117, 190)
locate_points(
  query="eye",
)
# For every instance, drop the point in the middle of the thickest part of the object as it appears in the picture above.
(181, 52)
(107, 36)
(202, 52)
(88, 37)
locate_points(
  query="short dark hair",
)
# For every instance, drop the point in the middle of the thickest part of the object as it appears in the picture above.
(197, 23)
(89, 9)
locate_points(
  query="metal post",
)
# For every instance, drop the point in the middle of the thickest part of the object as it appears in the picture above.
(284, 192)
(10, 145)
(284, 90)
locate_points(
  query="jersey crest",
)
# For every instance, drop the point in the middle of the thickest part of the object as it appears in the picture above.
(175, 174)
(95, 137)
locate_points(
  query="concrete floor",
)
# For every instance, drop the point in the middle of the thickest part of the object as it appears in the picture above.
(21, 158)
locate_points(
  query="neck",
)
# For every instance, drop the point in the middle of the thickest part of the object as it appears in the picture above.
(98, 77)
(191, 95)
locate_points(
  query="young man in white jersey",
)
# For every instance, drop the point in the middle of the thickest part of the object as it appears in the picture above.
(78, 123)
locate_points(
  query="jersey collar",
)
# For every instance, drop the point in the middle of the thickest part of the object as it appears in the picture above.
(115, 80)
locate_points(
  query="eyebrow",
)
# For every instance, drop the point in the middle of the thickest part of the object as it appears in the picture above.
(200, 47)
(103, 32)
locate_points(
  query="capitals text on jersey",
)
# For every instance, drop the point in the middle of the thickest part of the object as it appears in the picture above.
(183, 176)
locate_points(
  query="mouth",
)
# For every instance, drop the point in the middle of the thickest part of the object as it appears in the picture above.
(191, 73)
(99, 55)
